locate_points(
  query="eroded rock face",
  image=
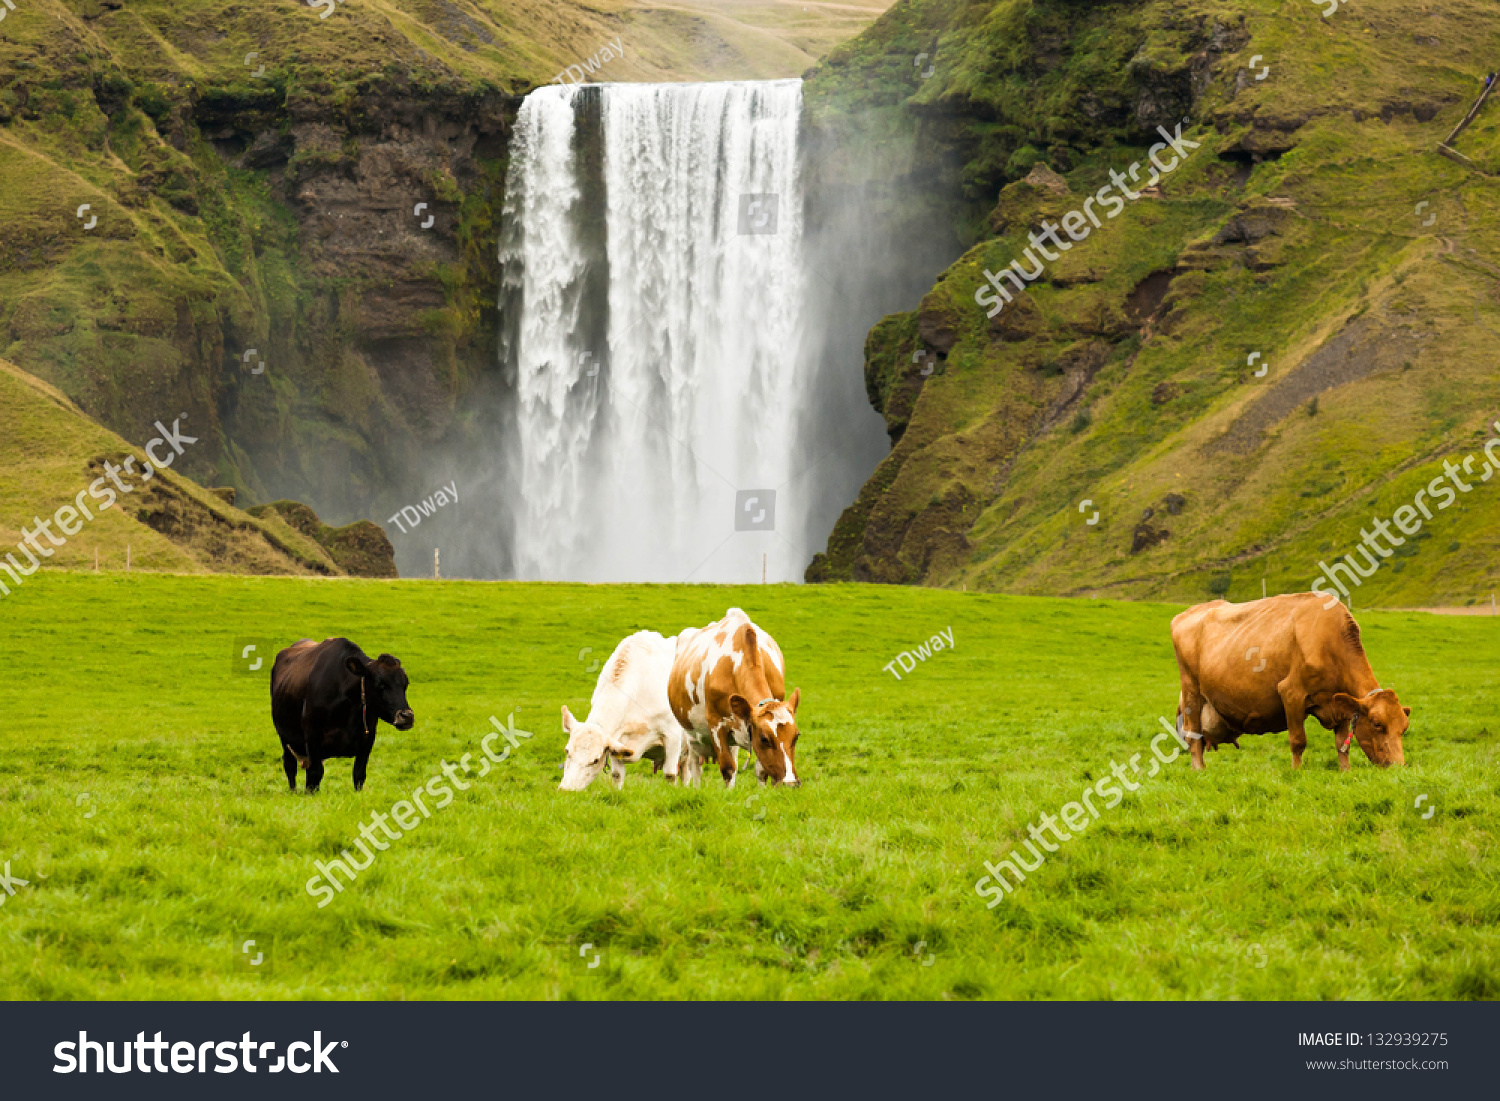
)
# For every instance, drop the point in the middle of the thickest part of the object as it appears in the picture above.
(399, 320)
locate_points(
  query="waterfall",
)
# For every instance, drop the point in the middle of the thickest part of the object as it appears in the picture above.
(652, 291)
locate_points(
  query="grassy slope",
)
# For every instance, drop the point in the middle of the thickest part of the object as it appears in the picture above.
(983, 487)
(153, 823)
(46, 449)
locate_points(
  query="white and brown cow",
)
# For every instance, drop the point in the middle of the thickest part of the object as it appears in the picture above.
(629, 716)
(726, 689)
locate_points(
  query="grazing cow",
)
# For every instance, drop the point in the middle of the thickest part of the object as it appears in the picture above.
(726, 690)
(326, 699)
(1264, 666)
(629, 716)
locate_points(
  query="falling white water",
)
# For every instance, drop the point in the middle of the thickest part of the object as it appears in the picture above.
(655, 347)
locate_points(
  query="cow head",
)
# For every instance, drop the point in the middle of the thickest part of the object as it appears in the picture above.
(385, 685)
(772, 725)
(588, 748)
(1379, 721)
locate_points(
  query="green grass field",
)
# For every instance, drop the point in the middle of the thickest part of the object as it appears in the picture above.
(142, 798)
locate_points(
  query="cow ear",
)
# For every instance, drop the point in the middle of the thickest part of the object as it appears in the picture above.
(354, 666)
(1348, 705)
(1408, 711)
(794, 700)
(741, 708)
(568, 721)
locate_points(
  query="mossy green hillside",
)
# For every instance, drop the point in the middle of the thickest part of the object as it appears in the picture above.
(1238, 372)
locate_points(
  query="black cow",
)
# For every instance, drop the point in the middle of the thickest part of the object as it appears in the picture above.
(326, 699)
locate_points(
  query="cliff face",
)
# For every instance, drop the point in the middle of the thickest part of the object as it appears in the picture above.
(287, 234)
(1218, 382)
(280, 220)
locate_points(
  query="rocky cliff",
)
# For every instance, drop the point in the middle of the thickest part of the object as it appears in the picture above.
(1219, 383)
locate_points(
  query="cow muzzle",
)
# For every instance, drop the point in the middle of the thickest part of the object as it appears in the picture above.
(405, 720)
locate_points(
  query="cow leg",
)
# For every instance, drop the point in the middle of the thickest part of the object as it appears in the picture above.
(1296, 721)
(671, 753)
(359, 770)
(1340, 734)
(312, 739)
(692, 766)
(728, 755)
(1189, 719)
(289, 762)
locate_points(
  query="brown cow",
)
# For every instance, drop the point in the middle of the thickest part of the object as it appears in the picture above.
(1264, 666)
(726, 690)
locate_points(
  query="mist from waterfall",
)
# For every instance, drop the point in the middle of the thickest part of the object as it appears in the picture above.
(653, 334)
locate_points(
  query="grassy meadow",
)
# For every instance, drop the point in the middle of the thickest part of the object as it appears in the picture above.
(142, 798)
